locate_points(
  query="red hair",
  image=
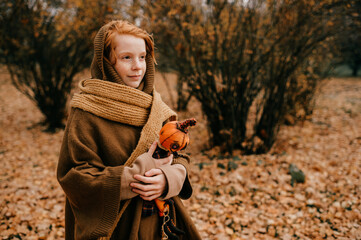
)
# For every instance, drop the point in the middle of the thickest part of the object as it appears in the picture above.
(124, 27)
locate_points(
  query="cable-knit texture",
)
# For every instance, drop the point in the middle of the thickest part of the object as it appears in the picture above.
(113, 101)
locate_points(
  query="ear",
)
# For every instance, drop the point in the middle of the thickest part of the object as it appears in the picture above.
(184, 146)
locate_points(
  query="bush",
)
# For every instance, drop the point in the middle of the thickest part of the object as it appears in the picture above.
(233, 54)
(44, 44)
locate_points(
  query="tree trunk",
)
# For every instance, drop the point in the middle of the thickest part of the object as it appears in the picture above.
(355, 70)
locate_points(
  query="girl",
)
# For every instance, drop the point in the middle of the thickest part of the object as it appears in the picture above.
(106, 168)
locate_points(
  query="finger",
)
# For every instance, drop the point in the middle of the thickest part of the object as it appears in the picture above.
(145, 187)
(164, 161)
(150, 198)
(152, 148)
(143, 193)
(171, 159)
(144, 179)
(142, 187)
(153, 172)
(167, 160)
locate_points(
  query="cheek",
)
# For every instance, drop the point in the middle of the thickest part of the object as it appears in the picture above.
(144, 66)
(121, 68)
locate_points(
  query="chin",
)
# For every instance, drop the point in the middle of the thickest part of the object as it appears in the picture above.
(133, 84)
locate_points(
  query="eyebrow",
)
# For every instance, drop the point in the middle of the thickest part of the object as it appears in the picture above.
(145, 52)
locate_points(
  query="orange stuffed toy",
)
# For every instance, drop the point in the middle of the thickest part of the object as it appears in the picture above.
(172, 137)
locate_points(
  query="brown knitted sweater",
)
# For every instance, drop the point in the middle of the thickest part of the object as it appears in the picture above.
(96, 148)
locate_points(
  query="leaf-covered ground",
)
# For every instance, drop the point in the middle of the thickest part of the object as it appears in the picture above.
(237, 197)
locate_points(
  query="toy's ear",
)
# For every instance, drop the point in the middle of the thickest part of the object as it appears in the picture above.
(184, 146)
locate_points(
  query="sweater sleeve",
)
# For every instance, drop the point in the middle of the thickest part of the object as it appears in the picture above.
(92, 189)
(175, 175)
(186, 189)
(141, 165)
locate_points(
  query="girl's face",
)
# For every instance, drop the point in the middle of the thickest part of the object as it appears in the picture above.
(130, 55)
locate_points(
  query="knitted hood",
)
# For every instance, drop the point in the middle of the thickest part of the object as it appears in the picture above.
(101, 68)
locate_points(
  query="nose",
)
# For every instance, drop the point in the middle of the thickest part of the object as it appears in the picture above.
(136, 64)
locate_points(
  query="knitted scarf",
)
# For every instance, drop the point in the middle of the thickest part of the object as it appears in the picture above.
(125, 105)
(113, 101)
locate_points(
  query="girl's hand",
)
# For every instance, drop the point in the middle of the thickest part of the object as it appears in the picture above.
(151, 186)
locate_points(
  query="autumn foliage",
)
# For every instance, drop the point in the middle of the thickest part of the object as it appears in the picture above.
(232, 55)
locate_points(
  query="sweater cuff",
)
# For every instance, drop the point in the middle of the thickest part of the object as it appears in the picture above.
(141, 165)
(187, 190)
(175, 175)
(111, 205)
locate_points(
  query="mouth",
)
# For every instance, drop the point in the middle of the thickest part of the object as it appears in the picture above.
(135, 76)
